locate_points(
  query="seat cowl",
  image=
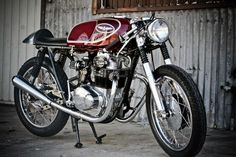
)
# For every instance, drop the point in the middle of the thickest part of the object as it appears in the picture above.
(45, 37)
(34, 37)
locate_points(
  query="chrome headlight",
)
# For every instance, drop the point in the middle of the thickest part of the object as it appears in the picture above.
(158, 31)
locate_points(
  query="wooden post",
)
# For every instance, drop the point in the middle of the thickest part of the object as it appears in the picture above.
(94, 7)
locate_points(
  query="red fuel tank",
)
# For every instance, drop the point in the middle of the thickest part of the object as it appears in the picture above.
(97, 33)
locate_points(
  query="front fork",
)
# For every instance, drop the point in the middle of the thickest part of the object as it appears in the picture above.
(147, 68)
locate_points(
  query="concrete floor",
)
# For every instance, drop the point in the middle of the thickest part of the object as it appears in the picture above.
(122, 140)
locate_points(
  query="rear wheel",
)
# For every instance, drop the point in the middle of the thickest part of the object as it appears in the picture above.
(182, 132)
(39, 118)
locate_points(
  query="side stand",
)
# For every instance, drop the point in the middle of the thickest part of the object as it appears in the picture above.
(98, 138)
(75, 126)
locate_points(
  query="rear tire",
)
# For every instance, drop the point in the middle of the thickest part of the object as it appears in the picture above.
(31, 111)
(182, 134)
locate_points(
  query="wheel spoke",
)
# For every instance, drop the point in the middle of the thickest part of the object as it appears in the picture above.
(174, 137)
(175, 129)
(43, 117)
(182, 134)
(36, 111)
(184, 119)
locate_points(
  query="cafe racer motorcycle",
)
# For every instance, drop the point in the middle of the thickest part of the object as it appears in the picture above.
(104, 53)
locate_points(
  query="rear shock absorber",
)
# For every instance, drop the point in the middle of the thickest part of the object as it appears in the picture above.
(62, 58)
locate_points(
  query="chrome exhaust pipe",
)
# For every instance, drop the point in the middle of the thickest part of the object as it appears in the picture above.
(21, 83)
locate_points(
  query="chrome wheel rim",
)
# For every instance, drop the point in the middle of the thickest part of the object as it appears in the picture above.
(35, 111)
(175, 130)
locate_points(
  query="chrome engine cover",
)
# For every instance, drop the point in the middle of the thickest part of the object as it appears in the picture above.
(87, 97)
(94, 100)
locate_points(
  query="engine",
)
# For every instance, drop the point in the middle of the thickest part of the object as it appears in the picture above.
(95, 75)
(87, 97)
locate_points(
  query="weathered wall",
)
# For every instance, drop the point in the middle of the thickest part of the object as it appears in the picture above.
(18, 18)
(204, 45)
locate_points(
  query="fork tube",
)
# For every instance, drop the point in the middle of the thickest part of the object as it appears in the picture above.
(155, 92)
(151, 81)
(165, 54)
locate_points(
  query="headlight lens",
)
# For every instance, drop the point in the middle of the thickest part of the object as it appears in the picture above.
(158, 31)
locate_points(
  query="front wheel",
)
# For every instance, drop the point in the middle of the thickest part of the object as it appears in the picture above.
(182, 133)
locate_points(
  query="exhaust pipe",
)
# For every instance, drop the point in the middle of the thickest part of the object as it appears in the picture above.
(21, 83)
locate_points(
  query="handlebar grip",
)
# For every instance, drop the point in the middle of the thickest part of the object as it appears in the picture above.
(115, 42)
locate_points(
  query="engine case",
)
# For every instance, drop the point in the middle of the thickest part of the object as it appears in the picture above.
(103, 77)
(87, 97)
(93, 96)
(108, 67)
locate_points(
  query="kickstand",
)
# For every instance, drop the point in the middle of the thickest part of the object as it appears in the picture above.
(98, 138)
(75, 126)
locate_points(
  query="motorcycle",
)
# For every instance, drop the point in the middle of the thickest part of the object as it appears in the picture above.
(104, 53)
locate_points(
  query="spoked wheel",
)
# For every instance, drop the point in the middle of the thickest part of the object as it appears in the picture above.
(182, 132)
(39, 118)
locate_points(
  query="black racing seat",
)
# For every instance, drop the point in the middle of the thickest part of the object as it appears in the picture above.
(47, 41)
(45, 38)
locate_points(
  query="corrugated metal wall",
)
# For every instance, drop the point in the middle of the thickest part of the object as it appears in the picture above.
(204, 45)
(18, 18)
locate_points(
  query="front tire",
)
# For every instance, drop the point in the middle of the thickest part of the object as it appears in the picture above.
(182, 133)
(39, 118)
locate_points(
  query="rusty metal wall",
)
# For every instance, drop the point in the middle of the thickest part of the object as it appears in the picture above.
(204, 45)
(18, 18)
